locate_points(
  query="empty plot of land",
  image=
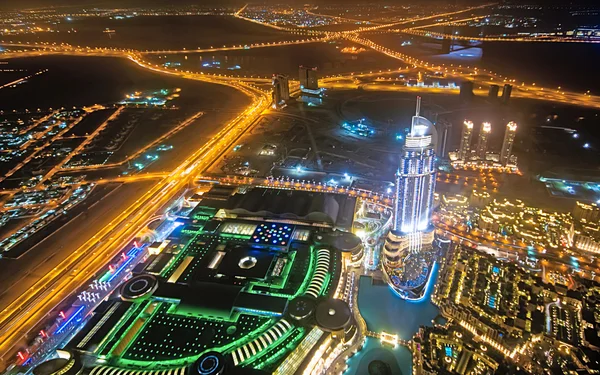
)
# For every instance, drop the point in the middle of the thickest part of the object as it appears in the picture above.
(90, 123)
(148, 125)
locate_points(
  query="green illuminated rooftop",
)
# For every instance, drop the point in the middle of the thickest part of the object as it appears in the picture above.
(216, 292)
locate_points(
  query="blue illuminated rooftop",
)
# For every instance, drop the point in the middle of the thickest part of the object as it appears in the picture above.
(272, 234)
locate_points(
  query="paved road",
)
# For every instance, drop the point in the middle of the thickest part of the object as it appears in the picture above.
(17, 275)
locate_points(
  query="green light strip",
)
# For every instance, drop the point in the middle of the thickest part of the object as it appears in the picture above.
(287, 348)
(142, 328)
(244, 340)
(309, 273)
(136, 310)
(258, 355)
(326, 284)
(180, 256)
(236, 236)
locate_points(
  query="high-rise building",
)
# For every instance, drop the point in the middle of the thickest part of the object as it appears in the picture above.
(507, 144)
(447, 42)
(281, 89)
(308, 78)
(444, 127)
(466, 90)
(493, 92)
(309, 86)
(407, 251)
(484, 133)
(465, 140)
(506, 93)
(302, 76)
(589, 213)
(415, 180)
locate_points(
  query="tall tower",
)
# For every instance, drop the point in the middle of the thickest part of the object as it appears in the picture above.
(465, 140)
(466, 90)
(507, 144)
(447, 42)
(407, 253)
(506, 93)
(415, 180)
(444, 127)
(308, 78)
(493, 92)
(484, 133)
(281, 89)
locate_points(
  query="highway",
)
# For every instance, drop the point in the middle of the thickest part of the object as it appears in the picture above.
(480, 77)
(420, 31)
(238, 47)
(30, 307)
(64, 48)
(416, 19)
(23, 79)
(485, 78)
(134, 178)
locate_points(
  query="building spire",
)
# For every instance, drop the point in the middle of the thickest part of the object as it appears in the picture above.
(417, 111)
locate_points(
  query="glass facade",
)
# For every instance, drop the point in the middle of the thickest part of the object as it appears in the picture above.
(415, 179)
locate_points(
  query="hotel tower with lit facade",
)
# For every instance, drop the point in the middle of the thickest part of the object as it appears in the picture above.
(507, 143)
(484, 134)
(464, 151)
(408, 251)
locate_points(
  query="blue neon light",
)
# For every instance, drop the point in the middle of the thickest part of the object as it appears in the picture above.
(212, 366)
(125, 264)
(133, 251)
(259, 312)
(68, 321)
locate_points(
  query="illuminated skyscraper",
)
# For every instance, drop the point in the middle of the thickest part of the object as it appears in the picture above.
(507, 144)
(415, 180)
(465, 140)
(484, 133)
(407, 255)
